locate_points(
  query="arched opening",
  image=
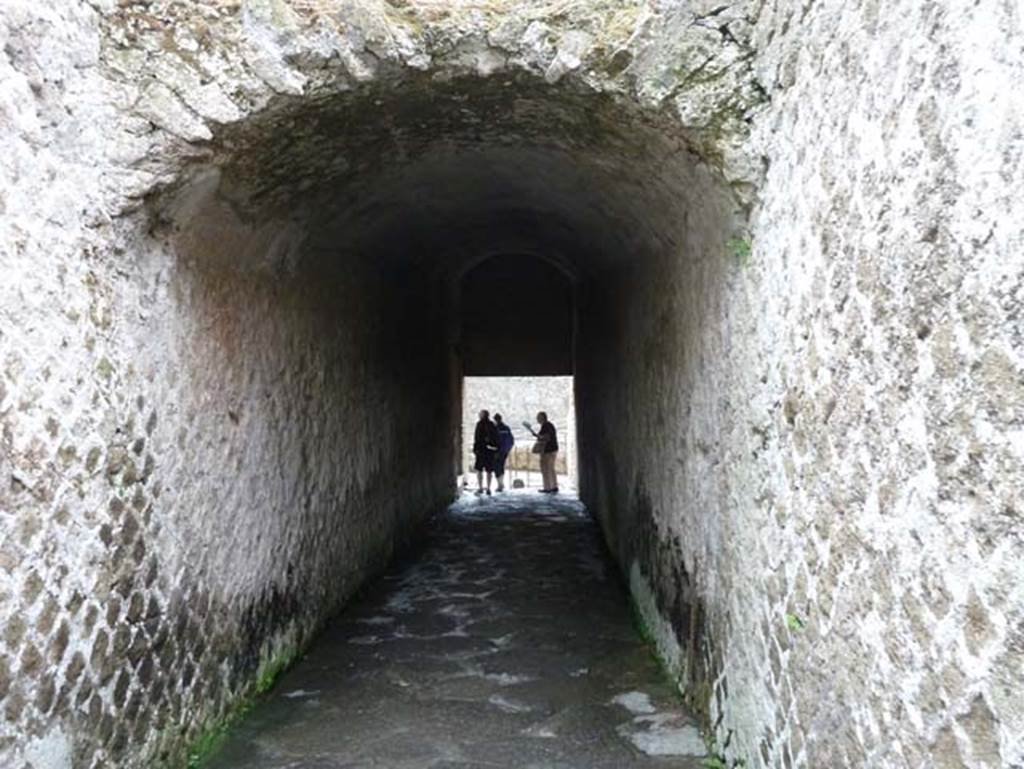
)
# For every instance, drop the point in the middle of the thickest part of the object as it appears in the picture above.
(232, 340)
(231, 343)
(515, 345)
(516, 317)
(499, 225)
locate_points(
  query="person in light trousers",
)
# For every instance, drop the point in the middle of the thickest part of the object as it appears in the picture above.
(547, 440)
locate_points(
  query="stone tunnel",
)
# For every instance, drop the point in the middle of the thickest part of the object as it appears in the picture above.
(779, 245)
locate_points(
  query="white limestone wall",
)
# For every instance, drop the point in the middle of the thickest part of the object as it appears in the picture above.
(800, 389)
(200, 429)
(831, 522)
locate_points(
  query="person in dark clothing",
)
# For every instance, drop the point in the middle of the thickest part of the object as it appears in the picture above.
(547, 437)
(485, 447)
(505, 443)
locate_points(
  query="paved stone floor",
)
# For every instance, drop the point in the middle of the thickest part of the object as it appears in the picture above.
(506, 643)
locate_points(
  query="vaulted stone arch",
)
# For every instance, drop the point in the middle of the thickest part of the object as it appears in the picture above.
(232, 268)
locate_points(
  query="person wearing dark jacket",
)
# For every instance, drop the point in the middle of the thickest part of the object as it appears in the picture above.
(505, 443)
(547, 447)
(485, 447)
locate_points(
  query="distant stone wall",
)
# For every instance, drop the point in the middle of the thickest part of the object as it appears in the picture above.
(522, 458)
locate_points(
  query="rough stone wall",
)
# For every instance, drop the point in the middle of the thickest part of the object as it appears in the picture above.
(801, 429)
(902, 267)
(842, 473)
(202, 465)
(653, 334)
(202, 426)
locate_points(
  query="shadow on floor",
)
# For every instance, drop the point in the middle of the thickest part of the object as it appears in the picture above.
(506, 643)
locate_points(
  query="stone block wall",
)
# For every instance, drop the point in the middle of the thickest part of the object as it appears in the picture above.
(208, 437)
(200, 466)
(797, 231)
(826, 537)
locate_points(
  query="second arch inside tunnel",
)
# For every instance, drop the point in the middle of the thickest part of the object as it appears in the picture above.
(516, 318)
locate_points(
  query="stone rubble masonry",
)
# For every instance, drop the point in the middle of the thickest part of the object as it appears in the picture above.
(834, 529)
(800, 397)
(180, 504)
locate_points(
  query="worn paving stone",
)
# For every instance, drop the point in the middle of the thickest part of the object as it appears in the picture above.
(506, 643)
